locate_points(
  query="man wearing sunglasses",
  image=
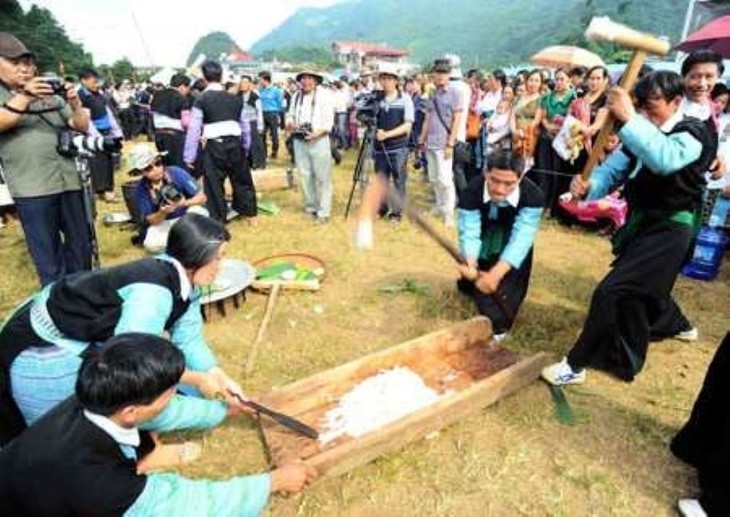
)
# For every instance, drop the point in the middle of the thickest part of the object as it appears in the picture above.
(163, 195)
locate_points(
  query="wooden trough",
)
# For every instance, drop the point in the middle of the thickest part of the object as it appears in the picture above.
(267, 180)
(461, 359)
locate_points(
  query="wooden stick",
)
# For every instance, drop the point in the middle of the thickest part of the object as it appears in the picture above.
(628, 79)
(270, 302)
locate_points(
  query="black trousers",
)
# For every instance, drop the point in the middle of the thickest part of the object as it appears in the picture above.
(512, 292)
(257, 153)
(271, 126)
(173, 143)
(630, 299)
(225, 158)
(101, 167)
(704, 441)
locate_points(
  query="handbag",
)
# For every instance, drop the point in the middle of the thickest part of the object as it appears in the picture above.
(462, 150)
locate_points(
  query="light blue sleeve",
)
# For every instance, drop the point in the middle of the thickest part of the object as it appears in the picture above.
(662, 154)
(187, 334)
(469, 224)
(145, 308)
(612, 172)
(185, 412)
(172, 494)
(522, 237)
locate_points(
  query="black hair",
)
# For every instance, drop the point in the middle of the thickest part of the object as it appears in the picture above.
(266, 76)
(602, 68)
(537, 72)
(194, 240)
(718, 90)
(212, 71)
(507, 161)
(85, 73)
(580, 71)
(474, 73)
(500, 76)
(199, 85)
(697, 57)
(668, 85)
(128, 369)
(179, 80)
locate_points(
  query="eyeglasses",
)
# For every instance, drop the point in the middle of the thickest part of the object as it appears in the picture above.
(156, 163)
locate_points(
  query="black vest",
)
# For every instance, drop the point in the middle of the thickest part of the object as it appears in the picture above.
(65, 465)
(499, 230)
(169, 102)
(95, 102)
(219, 106)
(390, 117)
(683, 190)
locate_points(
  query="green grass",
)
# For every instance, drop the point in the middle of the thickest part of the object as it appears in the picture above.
(514, 458)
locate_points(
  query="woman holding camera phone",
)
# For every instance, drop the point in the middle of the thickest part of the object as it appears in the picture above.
(43, 342)
(163, 195)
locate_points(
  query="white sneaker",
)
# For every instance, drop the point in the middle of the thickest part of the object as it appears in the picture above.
(560, 374)
(498, 338)
(688, 335)
(690, 508)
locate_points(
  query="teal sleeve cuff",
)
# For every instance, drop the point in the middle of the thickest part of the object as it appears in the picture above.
(470, 232)
(187, 412)
(172, 494)
(662, 154)
(522, 237)
(610, 173)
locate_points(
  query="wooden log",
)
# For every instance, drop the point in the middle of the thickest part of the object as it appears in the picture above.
(267, 180)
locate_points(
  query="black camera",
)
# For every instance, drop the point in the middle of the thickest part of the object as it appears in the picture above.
(169, 194)
(367, 106)
(302, 131)
(57, 84)
(71, 143)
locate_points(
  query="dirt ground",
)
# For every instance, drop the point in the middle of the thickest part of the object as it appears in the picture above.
(513, 458)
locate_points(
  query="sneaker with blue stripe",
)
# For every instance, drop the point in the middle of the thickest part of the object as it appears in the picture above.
(560, 374)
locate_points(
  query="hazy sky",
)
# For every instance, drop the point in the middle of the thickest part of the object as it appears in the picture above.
(169, 28)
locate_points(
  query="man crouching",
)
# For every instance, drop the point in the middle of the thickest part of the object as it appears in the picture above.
(88, 456)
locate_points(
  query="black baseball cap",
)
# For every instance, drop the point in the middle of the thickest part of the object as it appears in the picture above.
(12, 48)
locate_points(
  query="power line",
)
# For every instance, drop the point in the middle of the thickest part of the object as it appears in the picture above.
(141, 37)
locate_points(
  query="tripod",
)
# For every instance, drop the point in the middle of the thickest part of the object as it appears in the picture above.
(82, 167)
(360, 174)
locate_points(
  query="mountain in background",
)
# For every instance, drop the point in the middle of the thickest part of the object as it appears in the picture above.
(213, 45)
(482, 32)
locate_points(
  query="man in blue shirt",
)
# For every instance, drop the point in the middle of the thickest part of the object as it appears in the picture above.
(163, 195)
(272, 104)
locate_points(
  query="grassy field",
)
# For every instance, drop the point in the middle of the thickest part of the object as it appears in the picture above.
(513, 458)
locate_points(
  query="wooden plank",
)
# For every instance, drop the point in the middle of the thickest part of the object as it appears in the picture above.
(266, 180)
(323, 387)
(345, 457)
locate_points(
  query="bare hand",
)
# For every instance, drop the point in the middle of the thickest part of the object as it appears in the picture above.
(620, 104)
(231, 391)
(448, 152)
(381, 135)
(488, 282)
(718, 167)
(468, 272)
(37, 87)
(292, 477)
(579, 187)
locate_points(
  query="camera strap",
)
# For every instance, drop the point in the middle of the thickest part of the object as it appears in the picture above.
(438, 113)
(298, 105)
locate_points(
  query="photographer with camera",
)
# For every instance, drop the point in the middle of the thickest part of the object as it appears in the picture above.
(394, 119)
(164, 194)
(44, 184)
(309, 123)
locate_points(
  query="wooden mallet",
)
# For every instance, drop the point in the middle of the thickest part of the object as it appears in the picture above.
(603, 29)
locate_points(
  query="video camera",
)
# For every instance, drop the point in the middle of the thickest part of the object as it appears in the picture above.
(169, 194)
(57, 84)
(71, 143)
(302, 131)
(367, 106)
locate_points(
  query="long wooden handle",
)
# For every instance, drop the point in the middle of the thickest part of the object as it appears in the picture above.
(628, 79)
(270, 302)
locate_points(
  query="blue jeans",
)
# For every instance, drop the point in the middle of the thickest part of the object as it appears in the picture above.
(56, 233)
(392, 164)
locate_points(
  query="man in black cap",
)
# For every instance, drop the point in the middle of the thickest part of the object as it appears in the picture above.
(104, 123)
(44, 184)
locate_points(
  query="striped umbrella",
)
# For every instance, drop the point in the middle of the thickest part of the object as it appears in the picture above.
(566, 55)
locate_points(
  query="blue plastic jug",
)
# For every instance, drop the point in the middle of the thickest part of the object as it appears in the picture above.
(709, 249)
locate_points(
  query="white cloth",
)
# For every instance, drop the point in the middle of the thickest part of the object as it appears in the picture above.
(441, 175)
(313, 108)
(121, 435)
(489, 102)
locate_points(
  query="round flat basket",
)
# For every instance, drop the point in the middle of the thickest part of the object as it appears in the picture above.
(310, 272)
(234, 276)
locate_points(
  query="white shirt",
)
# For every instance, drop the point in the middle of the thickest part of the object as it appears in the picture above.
(466, 101)
(489, 102)
(121, 435)
(315, 108)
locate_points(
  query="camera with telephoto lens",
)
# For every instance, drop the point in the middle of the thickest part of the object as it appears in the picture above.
(367, 107)
(71, 143)
(169, 194)
(57, 85)
(302, 131)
